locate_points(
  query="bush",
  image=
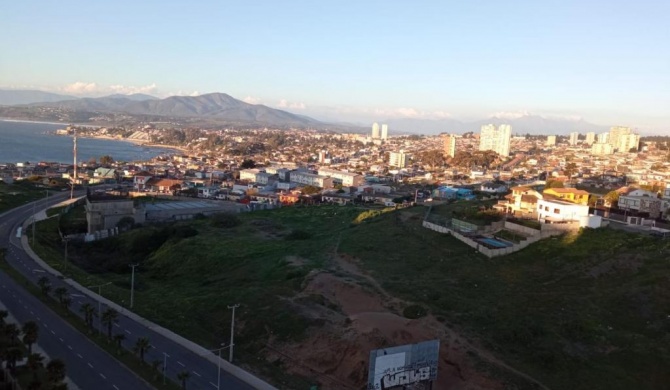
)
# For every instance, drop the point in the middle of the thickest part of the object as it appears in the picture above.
(299, 235)
(224, 220)
(414, 311)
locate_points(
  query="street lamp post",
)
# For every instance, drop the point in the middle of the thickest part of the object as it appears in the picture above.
(165, 356)
(218, 366)
(232, 331)
(99, 287)
(132, 285)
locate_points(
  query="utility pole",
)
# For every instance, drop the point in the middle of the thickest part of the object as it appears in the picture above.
(132, 285)
(34, 221)
(65, 257)
(218, 373)
(99, 287)
(165, 356)
(232, 331)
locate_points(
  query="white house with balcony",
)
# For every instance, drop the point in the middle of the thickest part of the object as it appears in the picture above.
(553, 210)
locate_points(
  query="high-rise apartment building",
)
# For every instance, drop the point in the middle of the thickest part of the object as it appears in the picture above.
(496, 139)
(385, 131)
(590, 138)
(629, 142)
(450, 146)
(551, 140)
(375, 130)
(398, 159)
(600, 149)
(603, 138)
(574, 137)
(622, 139)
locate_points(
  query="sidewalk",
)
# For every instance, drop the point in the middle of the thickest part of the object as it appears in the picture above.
(36, 347)
(203, 352)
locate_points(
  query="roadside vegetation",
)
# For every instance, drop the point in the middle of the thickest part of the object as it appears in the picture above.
(24, 191)
(581, 311)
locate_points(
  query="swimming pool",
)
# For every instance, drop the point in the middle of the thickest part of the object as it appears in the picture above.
(494, 243)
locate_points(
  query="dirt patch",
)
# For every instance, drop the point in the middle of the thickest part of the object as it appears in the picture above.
(618, 264)
(357, 316)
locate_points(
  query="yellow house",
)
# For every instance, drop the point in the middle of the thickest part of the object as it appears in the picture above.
(572, 195)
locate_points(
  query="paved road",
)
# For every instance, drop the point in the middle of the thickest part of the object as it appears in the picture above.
(178, 358)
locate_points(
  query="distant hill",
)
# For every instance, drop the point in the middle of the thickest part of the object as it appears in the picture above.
(10, 97)
(135, 96)
(210, 106)
(527, 124)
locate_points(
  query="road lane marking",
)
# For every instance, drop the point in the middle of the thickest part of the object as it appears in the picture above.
(117, 325)
(61, 340)
(197, 374)
(215, 386)
(114, 386)
(90, 365)
(180, 363)
(52, 332)
(69, 347)
(127, 331)
(80, 357)
(102, 376)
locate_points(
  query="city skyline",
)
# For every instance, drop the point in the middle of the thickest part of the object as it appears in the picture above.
(462, 61)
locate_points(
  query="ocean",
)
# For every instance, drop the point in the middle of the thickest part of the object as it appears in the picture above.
(35, 142)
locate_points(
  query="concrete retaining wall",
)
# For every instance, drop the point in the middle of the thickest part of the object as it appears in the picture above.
(521, 229)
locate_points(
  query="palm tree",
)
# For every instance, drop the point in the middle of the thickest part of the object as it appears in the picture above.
(67, 301)
(89, 313)
(12, 332)
(45, 285)
(34, 363)
(118, 339)
(183, 376)
(141, 346)
(109, 317)
(12, 356)
(60, 293)
(30, 334)
(156, 365)
(55, 372)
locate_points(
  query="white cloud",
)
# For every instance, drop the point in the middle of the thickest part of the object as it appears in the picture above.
(283, 103)
(93, 89)
(252, 100)
(81, 88)
(511, 114)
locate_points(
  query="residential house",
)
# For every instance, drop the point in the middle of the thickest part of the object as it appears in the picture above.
(311, 179)
(522, 200)
(140, 180)
(493, 188)
(347, 179)
(166, 186)
(555, 210)
(641, 201)
(571, 195)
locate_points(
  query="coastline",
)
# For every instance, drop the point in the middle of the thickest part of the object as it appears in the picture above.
(136, 142)
(3, 119)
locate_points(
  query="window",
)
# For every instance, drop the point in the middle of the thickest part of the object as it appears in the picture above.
(557, 211)
(546, 208)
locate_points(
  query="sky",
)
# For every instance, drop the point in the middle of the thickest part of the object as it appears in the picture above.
(356, 60)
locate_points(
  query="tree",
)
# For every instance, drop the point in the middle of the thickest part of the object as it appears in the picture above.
(612, 198)
(248, 163)
(45, 285)
(570, 169)
(55, 371)
(34, 363)
(141, 346)
(156, 365)
(12, 332)
(89, 312)
(554, 184)
(12, 356)
(118, 339)
(60, 293)
(310, 190)
(183, 376)
(106, 160)
(109, 318)
(30, 334)
(432, 159)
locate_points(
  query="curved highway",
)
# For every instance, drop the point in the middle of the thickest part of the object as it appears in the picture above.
(89, 366)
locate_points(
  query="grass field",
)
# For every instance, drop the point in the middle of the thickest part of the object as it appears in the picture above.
(20, 193)
(584, 311)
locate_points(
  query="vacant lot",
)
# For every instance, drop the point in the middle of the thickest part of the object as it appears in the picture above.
(320, 286)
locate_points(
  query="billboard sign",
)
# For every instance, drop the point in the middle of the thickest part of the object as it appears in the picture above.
(412, 366)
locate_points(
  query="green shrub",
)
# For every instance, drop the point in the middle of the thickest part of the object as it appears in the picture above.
(298, 234)
(225, 220)
(414, 311)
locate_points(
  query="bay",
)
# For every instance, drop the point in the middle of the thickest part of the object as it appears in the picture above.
(35, 142)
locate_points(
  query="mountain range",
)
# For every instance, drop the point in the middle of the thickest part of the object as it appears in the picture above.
(223, 107)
